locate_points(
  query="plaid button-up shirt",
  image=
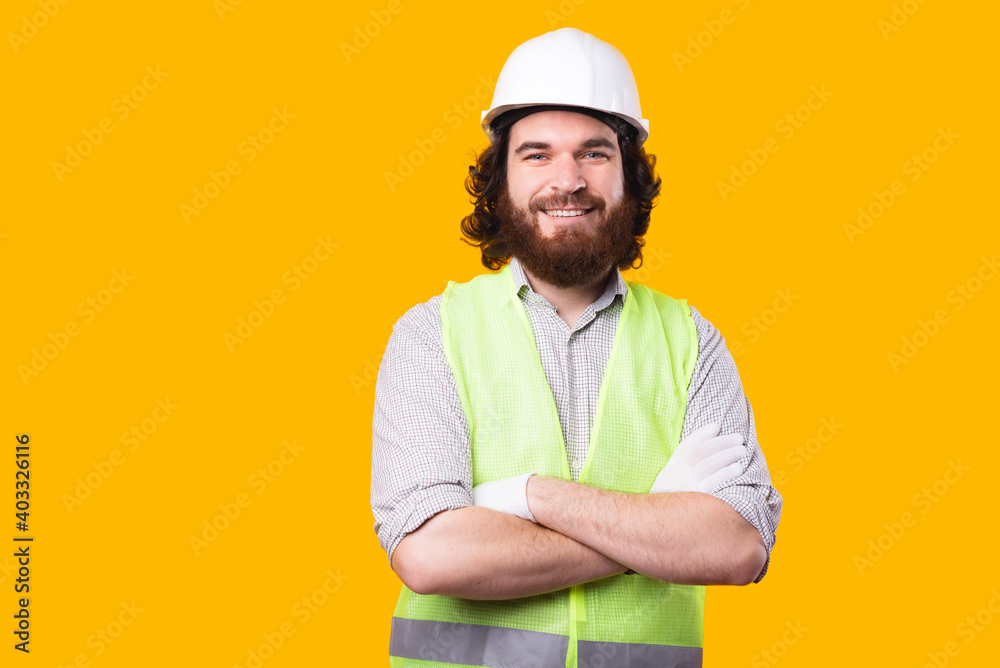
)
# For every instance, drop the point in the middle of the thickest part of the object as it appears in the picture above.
(421, 452)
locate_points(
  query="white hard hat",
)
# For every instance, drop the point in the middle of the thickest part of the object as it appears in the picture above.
(568, 67)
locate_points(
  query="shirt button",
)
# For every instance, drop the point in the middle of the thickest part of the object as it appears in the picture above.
(577, 463)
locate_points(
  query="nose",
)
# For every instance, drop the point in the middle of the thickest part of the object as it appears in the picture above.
(567, 176)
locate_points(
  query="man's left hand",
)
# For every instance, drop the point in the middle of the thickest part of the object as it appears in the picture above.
(509, 495)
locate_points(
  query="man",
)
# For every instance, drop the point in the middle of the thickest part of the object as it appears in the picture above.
(530, 482)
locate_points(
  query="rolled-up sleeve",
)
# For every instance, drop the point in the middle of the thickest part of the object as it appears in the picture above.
(716, 395)
(421, 459)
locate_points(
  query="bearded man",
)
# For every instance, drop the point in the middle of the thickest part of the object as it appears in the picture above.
(549, 480)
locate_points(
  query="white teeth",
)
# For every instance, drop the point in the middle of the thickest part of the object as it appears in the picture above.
(566, 213)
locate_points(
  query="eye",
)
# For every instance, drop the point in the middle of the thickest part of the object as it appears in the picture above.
(534, 155)
(597, 153)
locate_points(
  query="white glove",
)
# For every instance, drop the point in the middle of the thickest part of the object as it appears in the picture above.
(702, 462)
(509, 495)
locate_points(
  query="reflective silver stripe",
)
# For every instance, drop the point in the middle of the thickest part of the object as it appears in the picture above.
(635, 655)
(476, 644)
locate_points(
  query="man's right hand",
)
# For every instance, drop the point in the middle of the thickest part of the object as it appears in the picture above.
(702, 461)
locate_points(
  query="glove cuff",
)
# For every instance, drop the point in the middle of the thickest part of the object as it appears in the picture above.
(523, 487)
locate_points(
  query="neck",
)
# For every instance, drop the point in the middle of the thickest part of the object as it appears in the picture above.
(570, 302)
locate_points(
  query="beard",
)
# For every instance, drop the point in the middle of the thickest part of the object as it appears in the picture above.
(572, 256)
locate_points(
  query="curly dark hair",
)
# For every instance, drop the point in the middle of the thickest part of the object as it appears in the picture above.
(487, 179)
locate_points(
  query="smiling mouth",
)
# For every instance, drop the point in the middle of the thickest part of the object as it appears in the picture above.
(566, 213)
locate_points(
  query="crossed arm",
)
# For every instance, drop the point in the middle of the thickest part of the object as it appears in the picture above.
(583, 533)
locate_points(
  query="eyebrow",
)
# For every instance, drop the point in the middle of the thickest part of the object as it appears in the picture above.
(594, 142)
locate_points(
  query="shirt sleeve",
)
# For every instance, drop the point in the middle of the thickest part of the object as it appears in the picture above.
(715, 394)
(421, 452)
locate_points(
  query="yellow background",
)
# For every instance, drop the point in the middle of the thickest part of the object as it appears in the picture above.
(305, 373)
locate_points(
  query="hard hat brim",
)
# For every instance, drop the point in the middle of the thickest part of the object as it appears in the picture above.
(488, 117)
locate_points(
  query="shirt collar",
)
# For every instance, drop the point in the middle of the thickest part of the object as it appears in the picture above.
(616, 286)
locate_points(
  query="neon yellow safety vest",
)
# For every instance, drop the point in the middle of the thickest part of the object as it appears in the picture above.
(621, 621)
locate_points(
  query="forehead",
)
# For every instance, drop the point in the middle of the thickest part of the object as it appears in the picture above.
(558, 127)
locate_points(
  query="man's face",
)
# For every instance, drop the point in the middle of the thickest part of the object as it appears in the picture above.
(565, 214)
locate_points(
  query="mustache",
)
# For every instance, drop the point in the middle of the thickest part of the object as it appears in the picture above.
(580, 201)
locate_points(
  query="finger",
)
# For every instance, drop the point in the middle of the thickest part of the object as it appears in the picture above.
(720, 460)
(700, 434)
(709, 484)
(715, 445)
